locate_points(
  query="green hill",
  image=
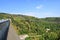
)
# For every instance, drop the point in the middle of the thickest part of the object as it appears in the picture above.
(53, 19)
(47, 28)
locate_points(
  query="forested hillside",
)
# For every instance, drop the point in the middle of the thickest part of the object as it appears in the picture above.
(53, 19)
(37, 28)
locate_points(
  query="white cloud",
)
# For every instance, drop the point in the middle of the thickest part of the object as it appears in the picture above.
(15, 13)
(39, 7)
(39, 15)
(27, 13)
(30, 14)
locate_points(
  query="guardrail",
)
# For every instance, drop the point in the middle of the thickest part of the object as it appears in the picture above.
(4, 26)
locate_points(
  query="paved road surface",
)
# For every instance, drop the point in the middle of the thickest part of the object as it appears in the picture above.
(12, 34)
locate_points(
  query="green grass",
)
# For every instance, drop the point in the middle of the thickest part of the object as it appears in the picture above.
(34, 27)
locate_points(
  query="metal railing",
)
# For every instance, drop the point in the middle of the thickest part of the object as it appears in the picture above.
(4, 26)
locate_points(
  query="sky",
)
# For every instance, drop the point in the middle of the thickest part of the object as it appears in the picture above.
(37, 8)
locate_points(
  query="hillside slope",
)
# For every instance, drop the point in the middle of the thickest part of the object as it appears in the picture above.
(47, 28)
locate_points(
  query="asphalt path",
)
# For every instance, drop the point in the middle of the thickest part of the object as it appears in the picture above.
(12, 35)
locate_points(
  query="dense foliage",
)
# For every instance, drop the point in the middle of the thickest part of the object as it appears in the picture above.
(36, 28)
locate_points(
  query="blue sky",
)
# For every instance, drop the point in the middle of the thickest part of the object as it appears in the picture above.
(37, 8)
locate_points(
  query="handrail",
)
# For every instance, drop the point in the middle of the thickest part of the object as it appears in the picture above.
(4, 27)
